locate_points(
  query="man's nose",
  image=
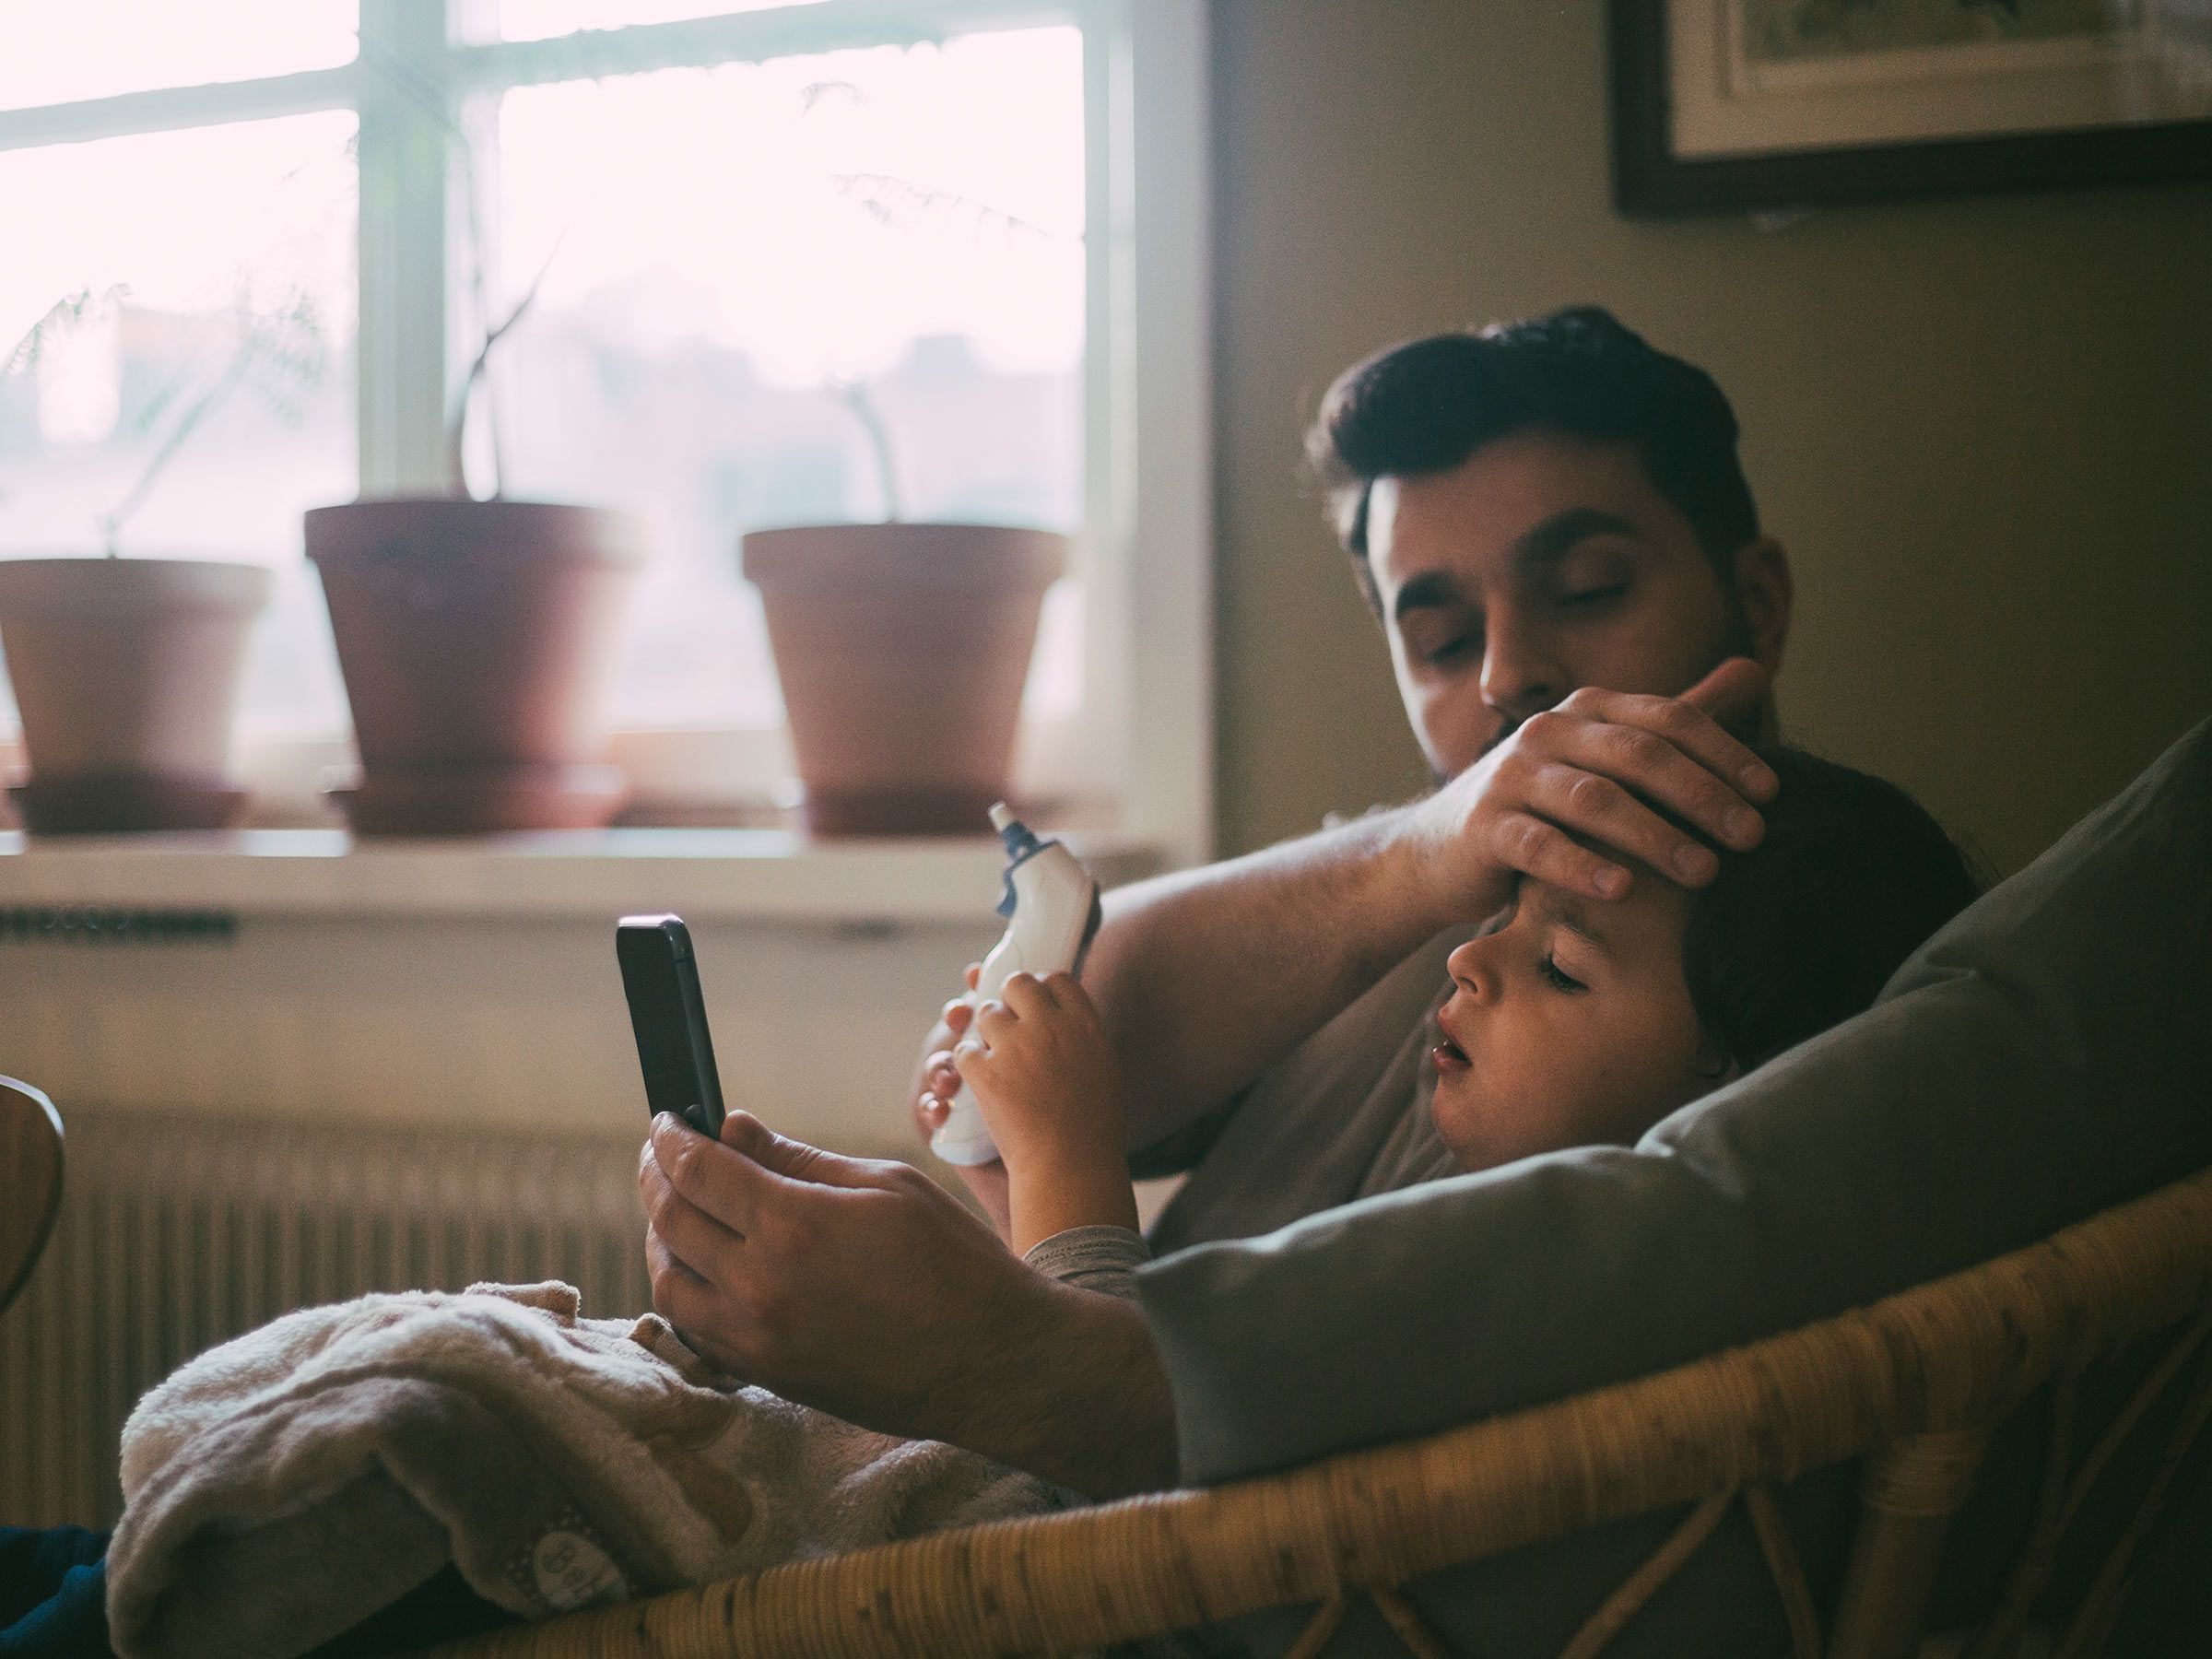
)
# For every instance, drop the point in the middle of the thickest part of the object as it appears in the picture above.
(1521, 675)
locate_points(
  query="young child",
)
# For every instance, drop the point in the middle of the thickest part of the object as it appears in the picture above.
(1568, 1022)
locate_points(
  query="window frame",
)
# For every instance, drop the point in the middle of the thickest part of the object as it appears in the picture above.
(1147, 737)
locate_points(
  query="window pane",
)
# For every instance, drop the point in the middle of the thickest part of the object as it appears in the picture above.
(56, 54)
(748, 263)
(541, 19)
(206, 310)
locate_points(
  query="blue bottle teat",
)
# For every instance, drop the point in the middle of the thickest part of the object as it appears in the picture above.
(1020, 841)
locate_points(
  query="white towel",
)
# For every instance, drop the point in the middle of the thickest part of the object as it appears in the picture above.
(284, 1487)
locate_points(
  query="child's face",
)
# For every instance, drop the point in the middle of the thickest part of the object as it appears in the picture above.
(1570, 1026)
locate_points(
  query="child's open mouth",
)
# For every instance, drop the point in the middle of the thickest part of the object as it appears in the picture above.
(1449, 1056)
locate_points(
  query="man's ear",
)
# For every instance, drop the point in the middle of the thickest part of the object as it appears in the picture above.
(1764, 589)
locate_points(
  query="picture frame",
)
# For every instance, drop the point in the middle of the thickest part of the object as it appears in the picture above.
(1766, 106)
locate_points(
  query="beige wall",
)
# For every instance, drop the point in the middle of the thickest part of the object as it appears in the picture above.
(1983, 427)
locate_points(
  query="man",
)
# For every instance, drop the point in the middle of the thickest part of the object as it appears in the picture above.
(1534, 512)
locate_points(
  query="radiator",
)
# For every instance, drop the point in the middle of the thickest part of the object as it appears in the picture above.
(179, 1232)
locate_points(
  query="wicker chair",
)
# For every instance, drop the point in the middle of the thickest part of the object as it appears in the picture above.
(1912, 1385)
(30, 1181)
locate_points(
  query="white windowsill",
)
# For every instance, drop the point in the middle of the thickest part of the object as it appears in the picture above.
(768, 874)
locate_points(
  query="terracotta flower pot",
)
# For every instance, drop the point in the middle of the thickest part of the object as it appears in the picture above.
(125, 671)
(479, 641)
(903, 650)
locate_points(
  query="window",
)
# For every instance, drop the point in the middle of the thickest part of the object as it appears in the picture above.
(750, 233)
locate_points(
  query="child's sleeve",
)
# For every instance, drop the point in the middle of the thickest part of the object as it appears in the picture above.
(1104, 1259)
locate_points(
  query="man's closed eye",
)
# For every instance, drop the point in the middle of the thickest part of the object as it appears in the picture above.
(1596, 598)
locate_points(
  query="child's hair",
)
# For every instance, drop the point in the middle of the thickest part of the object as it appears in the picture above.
(1800, 933)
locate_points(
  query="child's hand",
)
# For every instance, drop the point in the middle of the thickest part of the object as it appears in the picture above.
(1050, 1087)
(1043, 1072)
(940, 1083)
(940, 1076)
(940, 1079)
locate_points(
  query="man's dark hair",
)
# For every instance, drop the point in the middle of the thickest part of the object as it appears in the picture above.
(1426, 406)
(1800, 933)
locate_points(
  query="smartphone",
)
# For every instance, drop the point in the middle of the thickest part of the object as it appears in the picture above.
(660, 977)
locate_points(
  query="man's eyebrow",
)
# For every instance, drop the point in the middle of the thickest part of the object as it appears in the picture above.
(1431, 590)
(1548, 542)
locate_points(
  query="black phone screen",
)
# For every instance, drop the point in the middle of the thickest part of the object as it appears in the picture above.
(660, 978)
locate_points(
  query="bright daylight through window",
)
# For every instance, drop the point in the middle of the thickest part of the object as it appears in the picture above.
(918, 245)
(779, 272)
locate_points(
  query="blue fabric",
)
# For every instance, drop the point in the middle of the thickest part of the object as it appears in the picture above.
(54, 1604)
(54, 1594)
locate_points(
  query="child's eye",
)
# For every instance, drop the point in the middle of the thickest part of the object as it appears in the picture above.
(1560, 980)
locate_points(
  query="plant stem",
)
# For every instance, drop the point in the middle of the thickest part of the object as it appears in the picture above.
(856, 397)
(456, 429)
(110, 525)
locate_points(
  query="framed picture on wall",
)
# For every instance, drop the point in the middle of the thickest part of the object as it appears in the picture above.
(1733, 105)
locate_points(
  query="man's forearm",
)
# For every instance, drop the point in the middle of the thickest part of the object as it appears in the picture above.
(1207, 977)
(1077, 1395)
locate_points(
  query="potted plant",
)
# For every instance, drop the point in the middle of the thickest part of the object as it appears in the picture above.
(127, 670)
(902, 650)
(478, 641)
